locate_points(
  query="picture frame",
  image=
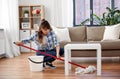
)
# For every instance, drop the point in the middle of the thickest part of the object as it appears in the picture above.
(25, 25)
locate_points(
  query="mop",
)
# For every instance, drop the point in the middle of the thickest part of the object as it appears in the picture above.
(79, 70)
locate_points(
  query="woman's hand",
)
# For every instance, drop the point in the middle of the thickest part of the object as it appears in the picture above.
(18, 43)
(58, 56)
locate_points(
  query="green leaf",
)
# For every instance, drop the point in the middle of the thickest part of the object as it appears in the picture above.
(110, 18)
(97, 17)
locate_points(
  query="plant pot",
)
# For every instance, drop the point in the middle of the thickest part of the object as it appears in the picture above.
(26, 15)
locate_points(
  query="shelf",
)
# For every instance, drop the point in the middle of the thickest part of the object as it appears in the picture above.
(36, 17)
(25, 17)
(30, 23)
(33, 19)
(25, 29)
(30, 17)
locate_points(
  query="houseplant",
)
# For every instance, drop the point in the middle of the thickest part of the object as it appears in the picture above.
(110, 18)
(26, 13)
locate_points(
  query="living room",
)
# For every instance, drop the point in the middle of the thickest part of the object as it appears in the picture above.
(83, 33)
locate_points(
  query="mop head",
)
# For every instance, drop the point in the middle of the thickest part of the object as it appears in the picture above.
(86, 70)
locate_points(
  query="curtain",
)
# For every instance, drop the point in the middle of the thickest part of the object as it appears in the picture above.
(67, 13)
(9, 21)
(56, 13)
(62, 13)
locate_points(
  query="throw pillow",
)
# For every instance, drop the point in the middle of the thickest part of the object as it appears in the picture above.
(112, 32)
(62, 34)
(95, 33)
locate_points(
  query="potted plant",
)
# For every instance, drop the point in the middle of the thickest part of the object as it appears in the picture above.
(26, 13)
(110, 18)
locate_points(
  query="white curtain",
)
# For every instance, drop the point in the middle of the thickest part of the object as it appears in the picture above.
(56, 13)
(9, 21)
(62, 13)
(67, 13)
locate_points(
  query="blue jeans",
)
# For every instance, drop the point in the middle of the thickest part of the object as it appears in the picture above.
(51, 52)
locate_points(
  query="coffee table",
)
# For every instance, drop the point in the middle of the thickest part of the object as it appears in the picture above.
(69, 47)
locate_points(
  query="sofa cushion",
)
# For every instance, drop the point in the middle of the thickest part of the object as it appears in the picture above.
(77, 33)
(108, 44)
(112, 32)
(95, 33)
(62, 34)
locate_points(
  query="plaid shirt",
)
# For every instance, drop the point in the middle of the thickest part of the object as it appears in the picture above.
(51, 39)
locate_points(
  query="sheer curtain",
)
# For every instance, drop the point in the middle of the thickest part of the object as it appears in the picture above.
(9, 21)
(67, 13)
(56, 13)
(62, 13)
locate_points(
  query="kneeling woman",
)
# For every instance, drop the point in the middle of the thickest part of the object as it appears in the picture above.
(46, 41)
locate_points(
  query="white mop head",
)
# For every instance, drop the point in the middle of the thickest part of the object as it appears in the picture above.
(89, 69)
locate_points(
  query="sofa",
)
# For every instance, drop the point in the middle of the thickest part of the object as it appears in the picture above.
(85, 34)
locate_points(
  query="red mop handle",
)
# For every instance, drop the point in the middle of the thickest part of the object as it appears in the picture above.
(48, 55)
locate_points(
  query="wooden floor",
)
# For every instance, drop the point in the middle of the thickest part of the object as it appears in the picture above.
(18, 68)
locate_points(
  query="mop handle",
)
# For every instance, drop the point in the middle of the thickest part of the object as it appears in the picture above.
(49, 55)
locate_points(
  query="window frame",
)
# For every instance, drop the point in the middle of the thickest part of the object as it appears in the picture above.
(91, 12)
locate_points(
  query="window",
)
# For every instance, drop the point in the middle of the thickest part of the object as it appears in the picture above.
(81, 11)
(84, 9)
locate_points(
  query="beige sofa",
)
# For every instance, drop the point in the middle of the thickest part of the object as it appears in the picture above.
(82, 34)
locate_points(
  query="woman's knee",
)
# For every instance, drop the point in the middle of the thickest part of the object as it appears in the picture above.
(53, 53)
(38, 53)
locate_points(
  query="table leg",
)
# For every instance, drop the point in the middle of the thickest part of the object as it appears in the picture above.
(99, 62)
(69, 54)
(66, 62)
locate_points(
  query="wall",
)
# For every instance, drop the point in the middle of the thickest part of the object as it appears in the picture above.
(53, 10)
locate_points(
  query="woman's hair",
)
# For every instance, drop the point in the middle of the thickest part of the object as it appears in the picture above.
(44, 25)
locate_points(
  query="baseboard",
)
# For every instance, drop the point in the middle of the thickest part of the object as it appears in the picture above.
(2, 55)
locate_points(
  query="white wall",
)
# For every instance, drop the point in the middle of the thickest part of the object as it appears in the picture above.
(52, 13)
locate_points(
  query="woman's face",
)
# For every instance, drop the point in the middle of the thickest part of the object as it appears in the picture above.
(45, 31)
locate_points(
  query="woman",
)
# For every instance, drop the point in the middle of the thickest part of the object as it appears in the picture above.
(46, 41)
